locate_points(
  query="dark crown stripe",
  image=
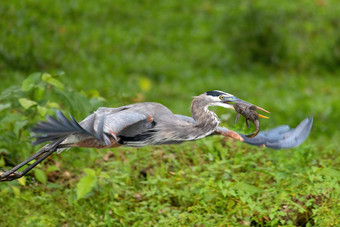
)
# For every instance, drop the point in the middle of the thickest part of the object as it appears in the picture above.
(214, 93)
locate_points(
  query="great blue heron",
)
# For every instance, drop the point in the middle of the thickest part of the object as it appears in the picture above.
(149, 123)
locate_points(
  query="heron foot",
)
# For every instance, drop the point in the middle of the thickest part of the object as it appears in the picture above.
(40, 155)
(8, 176)
(233, 135)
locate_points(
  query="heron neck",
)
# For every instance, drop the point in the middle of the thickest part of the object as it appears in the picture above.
(203, 117)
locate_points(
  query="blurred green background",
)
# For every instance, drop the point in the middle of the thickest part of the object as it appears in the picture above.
(79, 55)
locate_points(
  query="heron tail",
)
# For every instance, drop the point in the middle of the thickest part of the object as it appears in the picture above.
(55, 130)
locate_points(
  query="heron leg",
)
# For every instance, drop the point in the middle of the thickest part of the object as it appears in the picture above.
(229, 133)
(12, 174)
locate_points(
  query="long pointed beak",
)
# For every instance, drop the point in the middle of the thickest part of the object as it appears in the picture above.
(263, 116)
(236, 100)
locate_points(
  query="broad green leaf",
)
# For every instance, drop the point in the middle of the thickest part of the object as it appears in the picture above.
(75, 101)
(39, 92)
(52, 105)
(46, 76)
(42, 111)
(93, 93)
(19, 125)
(26, 103)
(330, 172)
(118, 212)
(10, 118)
(246, 187)
(11, 92)
(4, 191)
(40, 175)
(49, 79)
(224, 192)
(52, 168)
(56, 83)
(30, 81)
(22, 181)
(85, 185)
(104, 175)
(16, 191)
(90, 172)
(4, 106)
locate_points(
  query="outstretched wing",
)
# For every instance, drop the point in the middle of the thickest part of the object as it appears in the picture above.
(107, 122)
(103, 125)
(280, 137)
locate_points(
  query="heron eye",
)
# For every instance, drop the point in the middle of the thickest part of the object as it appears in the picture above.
(222, 97)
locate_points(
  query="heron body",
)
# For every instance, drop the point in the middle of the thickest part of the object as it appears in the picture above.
(142, 124)
(134, 125)
(150, 123)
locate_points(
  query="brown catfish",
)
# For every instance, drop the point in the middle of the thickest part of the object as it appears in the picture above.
(249, 112)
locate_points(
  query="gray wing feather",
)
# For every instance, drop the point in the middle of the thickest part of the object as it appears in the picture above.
(185, 118)
(119, 121)
(100, 125)
(104, 121)
(282, 136)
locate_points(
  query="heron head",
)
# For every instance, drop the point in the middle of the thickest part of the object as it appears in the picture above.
(220, 98)
(226, 100)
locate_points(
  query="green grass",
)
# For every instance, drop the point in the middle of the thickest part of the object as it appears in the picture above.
(113, 54)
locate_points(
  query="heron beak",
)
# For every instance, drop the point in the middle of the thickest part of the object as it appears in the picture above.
(262, 116)
(231, 100)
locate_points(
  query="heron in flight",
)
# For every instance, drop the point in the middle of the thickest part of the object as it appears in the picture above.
(149, 123)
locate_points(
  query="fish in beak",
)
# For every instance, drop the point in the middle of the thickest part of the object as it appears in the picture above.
(248, 111)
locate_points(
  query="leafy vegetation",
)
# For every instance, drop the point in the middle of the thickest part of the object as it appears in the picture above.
(282, 56)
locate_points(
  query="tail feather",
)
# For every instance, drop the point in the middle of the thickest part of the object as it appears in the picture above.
(56, 129)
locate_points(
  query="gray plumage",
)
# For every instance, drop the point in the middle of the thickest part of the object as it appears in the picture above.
(283, 136)
(151, 123)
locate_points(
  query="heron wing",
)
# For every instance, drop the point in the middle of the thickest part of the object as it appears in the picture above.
(280, 137)
(283, 136)
(104, 124)
(185, 118)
